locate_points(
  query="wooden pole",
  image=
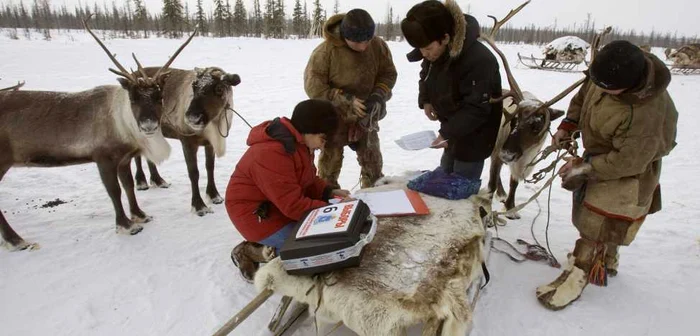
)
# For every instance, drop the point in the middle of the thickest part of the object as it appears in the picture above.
(244, 313)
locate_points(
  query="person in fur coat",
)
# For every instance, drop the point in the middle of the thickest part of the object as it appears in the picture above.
(627, 121)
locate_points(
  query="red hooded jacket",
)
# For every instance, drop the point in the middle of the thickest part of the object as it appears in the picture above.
(276, 172)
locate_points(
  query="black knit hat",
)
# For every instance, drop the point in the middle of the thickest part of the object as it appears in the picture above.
(426, 22)
(357, 26)
(315, 116)
(618, 65)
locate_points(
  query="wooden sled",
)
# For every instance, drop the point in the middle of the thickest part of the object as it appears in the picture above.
(533, 62)
(418, 270)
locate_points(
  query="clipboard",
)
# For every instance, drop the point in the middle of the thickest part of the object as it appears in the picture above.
(402, 202)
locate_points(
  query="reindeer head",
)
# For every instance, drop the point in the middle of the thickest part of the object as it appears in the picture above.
(529, 126)
(145, 92)
(212, 94)
(670, 52)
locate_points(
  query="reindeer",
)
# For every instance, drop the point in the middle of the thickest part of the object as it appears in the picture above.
(197, 105)
(524, 129)
(687, 55)
(106, 125)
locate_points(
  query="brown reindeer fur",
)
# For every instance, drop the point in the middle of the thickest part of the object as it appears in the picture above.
(215, 92)
(104, 125)
(416, 270)
(687, 55)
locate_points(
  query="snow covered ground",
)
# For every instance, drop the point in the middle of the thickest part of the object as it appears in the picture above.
(176, 277)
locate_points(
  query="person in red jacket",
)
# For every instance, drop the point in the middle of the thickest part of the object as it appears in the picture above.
(275, 182)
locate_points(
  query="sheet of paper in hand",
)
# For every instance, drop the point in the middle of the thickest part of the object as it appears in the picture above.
(416, 141)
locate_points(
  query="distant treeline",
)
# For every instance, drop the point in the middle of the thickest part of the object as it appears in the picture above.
(270, 19)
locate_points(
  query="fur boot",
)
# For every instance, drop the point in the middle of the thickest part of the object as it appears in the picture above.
(570, 284)
(247, 256)
(612, 259)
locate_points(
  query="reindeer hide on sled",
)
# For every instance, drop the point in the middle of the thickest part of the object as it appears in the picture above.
(416, 270)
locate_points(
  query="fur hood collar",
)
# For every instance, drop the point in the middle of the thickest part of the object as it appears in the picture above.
(655, 82)
(331, 30)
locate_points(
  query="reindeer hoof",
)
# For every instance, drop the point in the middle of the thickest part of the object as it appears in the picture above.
(132, 230)
(203, 211)
(141, 186)
(21, 246)
(160, 184)
(141, 219)
(514, 215)
(217, 199)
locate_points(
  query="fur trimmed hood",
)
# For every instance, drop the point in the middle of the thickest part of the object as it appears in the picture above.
(654, 83)
(458, 39)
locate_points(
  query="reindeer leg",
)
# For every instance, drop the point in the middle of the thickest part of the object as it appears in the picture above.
(495, 177)
(211, 185)
(108, 173)
(137, 215)
(510, 201)
(11, 239)
(189, 148)
(140, 176)
(156, 179)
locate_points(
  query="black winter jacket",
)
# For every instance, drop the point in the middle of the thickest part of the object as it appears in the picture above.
(459, 85)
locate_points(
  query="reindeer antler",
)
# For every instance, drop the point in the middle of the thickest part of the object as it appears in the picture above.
(164, 68)
(141, 70)
(596, 42)
(14, 87)
(517, 94)
(122, 71)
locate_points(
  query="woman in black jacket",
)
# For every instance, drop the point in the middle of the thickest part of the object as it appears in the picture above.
(459, 75)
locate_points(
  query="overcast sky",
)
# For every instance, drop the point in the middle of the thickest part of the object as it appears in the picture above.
(681, 16)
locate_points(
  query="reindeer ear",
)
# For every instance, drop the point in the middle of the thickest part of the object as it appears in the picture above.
(509, 105)
(555, 114)
(162, 79)
(232, 79)
(199, 71)
(125, 83)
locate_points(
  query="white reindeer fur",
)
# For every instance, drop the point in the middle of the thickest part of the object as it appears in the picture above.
(519, 169)
(416, 270)
(153, 147)
(220, 126)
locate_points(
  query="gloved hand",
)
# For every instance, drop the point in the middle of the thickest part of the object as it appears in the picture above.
(430, 112)
(574, 173)
(376, 110)
(560, 136)
(356, 106)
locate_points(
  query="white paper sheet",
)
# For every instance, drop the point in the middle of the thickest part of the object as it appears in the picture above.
(416, 141)
(381, 203)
